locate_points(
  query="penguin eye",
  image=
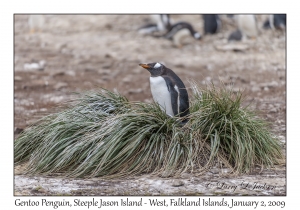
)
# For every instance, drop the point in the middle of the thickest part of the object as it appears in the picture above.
(157, 65)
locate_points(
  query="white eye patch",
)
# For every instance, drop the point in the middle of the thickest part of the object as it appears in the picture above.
(157, 65)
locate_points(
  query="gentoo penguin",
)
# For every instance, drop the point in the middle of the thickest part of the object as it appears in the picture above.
(36, 23)
(162, 23)
(168, 90)
(277, 21)
(212, 23)
(179, 31)
(247, 25)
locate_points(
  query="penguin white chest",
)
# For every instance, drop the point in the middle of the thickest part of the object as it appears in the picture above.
(161, 94)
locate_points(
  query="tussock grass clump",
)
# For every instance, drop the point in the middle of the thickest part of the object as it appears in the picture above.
(237, 132)
(103, 134)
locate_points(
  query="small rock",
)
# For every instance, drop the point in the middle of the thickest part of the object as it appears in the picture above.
(60, 85)
(71, 73)
(106, 78)
(100, 81)
(135, 91)
(107, 55)
(208, 79)
(106, 65)
(18, 78)
(215, 170)
(233, 47)
(179, 65)
(104, 72)
(89, 69)
(126, 79)
(177, 183)
(273, 110)
(31, 66)
(58, 73)
(270, 84)
(255, 88)
(42, 63)
(56, 99)
(18, 130)
(209, 67)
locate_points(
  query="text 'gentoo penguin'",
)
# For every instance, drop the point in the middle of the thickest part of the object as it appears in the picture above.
(168, 90)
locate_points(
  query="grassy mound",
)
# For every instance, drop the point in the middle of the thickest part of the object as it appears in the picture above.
(103, 134)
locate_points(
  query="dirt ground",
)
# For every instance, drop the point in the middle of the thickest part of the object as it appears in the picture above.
(73, 53)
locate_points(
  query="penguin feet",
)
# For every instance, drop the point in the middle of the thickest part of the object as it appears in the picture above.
(181, 123)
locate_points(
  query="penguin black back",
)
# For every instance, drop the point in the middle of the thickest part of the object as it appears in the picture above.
(275, 21)
(279, 21)
(211, 23)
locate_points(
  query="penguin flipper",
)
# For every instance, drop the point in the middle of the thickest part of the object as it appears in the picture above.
(174, 95)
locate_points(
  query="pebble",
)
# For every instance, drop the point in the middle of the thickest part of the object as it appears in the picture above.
(60, 85)
(58, 73)
(214, 170)
(255, 89)
(270, 84)
(35, 66)
(18, 130)
(232, 47)
(177, 183)
(71, 73)
(31, 66)
(106, 65)
(104, 72)
(18, 78)
(135, 91)
(126, 79)
(273, 110)
(106, 78)
(89, 69)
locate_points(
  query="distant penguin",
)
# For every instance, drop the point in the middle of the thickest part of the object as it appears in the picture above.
(277, 21)
(168, 90)
(179, 31)
(247, 25)
(212, 23)
(36, 23)
(161, 23)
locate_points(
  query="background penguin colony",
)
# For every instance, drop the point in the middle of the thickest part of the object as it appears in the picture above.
(246, 27)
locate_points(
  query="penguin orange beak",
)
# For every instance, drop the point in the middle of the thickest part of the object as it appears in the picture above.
(145, 66)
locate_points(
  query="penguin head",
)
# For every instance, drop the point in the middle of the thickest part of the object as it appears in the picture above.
(155, 69)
